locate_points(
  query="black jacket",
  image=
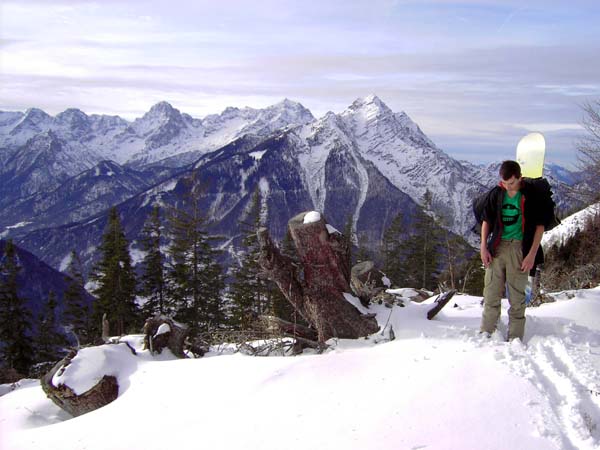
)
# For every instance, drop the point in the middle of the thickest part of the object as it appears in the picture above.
(536, 208)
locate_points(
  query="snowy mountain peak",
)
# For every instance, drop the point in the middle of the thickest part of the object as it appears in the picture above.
(290, 105)
(35, 115)
(370, 107)
(73, 119)
(154, 121)
(285, 113)
(35, 120)
(162, 110)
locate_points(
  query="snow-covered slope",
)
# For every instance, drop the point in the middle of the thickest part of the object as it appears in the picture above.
(404, 155)
(569, 226)
(84, 195)
(439, 385)
(369, 132)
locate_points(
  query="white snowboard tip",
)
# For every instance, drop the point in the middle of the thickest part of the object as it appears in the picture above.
(533, 141)
(530, 155)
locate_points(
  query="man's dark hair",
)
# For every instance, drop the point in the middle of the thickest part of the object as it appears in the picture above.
(508, 169)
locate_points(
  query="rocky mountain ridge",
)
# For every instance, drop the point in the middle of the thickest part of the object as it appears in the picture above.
(366, 163)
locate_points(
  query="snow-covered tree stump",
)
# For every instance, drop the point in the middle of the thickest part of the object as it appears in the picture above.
(162, 331)
(317, 285)
(86, 380)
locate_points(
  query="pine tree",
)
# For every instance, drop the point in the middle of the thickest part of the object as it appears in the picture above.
(195, 279)
(412, 257)
(424, 247)
(77, 315)
(249, 293)
(153, 279)
(15, 317)
(116, 280)
(393, 251)
(49, 341)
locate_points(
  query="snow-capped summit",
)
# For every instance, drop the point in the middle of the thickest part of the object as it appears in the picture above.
(35, 116)
(33, 122)
(160, 115)
(73, 117)
(280, 115)
(71, 123)
(368, 107)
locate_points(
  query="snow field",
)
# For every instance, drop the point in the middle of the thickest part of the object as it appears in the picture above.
(438, 385)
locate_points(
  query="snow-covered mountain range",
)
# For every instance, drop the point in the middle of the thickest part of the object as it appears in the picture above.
(366, 163)
(162, 133)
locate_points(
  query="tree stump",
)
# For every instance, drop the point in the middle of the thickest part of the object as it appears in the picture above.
(367, 281)
(162, 331)
(315, 287)
(102, 393)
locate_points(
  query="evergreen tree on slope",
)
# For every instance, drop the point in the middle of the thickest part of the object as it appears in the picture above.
(16, 349)
(49, 341)
(77, 315)
(195, 279)
(116, 281)
(153, 279)
(249, 293)
(393, 251)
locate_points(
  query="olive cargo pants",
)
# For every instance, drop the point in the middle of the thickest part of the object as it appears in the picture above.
(504, 270)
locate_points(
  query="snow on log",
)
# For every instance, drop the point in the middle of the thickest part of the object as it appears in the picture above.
(88, 379)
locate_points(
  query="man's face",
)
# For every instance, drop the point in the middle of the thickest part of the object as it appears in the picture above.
(512, 185)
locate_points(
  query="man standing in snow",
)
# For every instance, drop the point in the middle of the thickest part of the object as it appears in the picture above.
(511, 231)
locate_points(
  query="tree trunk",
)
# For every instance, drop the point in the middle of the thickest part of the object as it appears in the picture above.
(104, 391)
(317, 285)
(162, 331)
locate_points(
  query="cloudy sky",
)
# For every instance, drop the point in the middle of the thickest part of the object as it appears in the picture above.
(476, 75)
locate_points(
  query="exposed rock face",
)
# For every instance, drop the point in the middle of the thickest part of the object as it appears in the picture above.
(316, 288)
(162, 331)
(104, 392)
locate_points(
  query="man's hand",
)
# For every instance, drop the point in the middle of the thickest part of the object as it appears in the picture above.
(528, 262)
(486, 256)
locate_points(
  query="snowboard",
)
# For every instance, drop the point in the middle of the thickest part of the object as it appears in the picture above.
(441, 301)
(531, 151)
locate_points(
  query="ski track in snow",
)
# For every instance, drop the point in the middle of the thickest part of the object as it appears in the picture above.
(560, 373)
(557, 361)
